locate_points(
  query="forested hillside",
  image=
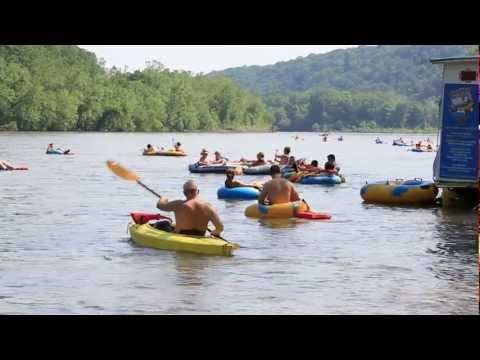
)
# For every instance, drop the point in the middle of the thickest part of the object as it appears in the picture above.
(404, 69)
(369, 87)
(66, 88)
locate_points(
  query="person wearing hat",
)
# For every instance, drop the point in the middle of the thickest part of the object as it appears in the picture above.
(230, 182)
(192, 215)
(203, 158)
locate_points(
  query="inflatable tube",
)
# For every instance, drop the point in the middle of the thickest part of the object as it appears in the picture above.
(278, 211)
(209, 169)
(55, 152)
(58, 153)
(400, 192)
(164, 153)
(238, 193)
(321, 180)
(421, 150)
(15, 169)
(257, 170)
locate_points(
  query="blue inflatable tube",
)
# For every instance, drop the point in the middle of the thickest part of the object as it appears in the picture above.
(55, 152)
(321, 180)
(238, 193)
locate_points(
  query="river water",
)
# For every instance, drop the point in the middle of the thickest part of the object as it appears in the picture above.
(64, 247)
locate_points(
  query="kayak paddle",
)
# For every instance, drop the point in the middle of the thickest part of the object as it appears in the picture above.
(130, 175)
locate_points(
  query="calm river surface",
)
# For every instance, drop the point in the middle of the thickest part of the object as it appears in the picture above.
(64, 247)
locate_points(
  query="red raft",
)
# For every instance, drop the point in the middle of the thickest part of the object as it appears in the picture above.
(312, 215)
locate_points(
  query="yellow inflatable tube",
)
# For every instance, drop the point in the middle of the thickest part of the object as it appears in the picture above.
(279, 211)
(400, 192)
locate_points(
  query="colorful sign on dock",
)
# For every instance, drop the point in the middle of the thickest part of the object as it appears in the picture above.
(460, 133)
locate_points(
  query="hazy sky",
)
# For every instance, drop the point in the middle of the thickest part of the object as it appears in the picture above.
(202, 58)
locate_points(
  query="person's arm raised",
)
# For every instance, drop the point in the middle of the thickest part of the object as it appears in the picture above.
(165, 205)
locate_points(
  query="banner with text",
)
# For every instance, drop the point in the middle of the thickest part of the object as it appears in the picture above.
(459, 142)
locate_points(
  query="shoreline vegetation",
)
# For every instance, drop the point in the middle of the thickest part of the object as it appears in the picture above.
(253, 131)
(66, 88)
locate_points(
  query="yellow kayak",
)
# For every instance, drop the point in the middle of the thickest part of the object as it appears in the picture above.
(147, 236)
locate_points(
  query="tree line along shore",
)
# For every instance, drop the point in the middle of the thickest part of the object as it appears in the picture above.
(66, 88)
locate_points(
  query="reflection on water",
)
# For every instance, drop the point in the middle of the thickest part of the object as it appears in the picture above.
(457, 246)
(64, 248)
(280, 223)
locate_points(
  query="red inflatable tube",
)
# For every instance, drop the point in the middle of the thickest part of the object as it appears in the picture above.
(313, 215)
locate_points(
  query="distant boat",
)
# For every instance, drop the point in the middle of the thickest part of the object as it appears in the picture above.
(340, 138)
(378, 141)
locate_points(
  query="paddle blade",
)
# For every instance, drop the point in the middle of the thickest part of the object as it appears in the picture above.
(121, 171)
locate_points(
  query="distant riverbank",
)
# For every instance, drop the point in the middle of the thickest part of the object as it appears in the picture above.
(393, 131)
(242, 131)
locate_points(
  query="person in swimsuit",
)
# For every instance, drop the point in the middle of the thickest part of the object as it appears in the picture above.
(329, 169)
(312, 168)
(331, 161)
(192, 215)
(278, 190)
(203, 158)
(284, 159)
(260, 160)
(51, 149)
(150, 149)
(230, 182)
(219, 159)
(178, 147)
